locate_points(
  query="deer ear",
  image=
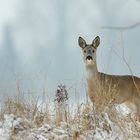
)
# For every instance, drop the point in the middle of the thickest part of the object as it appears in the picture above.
(82, 42)
(96, 42)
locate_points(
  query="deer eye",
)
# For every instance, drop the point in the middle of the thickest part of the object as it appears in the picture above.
(93, 51)
(84, 51)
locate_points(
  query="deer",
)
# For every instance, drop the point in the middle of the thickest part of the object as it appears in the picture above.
(127, 86)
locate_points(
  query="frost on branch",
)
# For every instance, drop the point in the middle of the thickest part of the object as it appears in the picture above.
(61, 103)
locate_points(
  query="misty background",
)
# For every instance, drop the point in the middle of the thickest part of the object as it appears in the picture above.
(39, 43)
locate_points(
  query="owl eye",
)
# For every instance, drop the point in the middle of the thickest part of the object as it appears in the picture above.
(84, 51)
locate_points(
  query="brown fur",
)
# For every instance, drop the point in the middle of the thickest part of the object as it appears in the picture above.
(127, 88)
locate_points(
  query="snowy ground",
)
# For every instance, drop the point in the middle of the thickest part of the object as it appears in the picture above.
(19, 128)
(13, 127)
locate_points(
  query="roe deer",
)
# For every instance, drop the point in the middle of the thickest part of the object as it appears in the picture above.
(127, 87)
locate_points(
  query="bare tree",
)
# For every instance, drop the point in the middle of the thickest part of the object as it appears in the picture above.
(122, 29)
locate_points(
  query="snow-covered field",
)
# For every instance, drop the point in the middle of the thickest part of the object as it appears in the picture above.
(22, 120)
(83, 125)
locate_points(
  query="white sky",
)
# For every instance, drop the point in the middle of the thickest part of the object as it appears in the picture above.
(46, 37)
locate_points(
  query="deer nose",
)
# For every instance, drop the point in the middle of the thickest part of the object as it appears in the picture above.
(89, 57)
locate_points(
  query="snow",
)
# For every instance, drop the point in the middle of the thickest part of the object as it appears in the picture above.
(106, 129)
(123, 109)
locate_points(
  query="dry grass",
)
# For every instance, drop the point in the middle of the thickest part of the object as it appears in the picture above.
(29, 111)
(86, 118)
(105, 94)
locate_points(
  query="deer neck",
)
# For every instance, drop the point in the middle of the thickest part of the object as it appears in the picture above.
(92, 70)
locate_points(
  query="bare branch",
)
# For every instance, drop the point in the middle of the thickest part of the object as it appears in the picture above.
(118, 28)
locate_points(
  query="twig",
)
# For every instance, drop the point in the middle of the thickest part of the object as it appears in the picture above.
(121, 28)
